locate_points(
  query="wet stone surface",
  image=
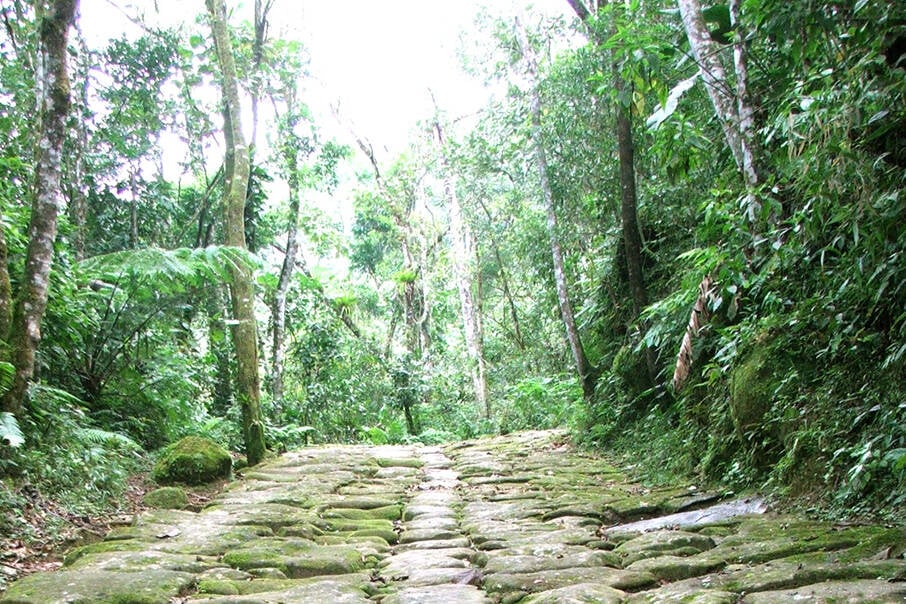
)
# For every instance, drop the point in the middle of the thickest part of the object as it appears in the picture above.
(519, 518)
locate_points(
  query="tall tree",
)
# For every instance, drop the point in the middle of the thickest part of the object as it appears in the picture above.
(463, 264)
(632, 238)
(54, 18)
(583, 368)
(733, 109)
(291, 147)
(736, 116)
(242, 291)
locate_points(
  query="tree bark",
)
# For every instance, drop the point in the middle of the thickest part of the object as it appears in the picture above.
(463, 257)
(242, 293)
(632, 238)
(54, 19)
(733, 110)
(262, 8)
(583, 367)
(736, 116)
(6, 290)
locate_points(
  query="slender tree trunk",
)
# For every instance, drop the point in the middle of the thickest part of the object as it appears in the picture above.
(262, 8)
(745, 112)
(583, 367)
(54, 19)
(133, 208)
(78, 188)
(463, 256)
(6, 290)
(732, 108)
(286, 274)
(242, 293)
(505, 284)
(632, 239)
(736, 116)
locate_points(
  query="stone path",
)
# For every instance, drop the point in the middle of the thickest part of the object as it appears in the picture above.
(520, 518)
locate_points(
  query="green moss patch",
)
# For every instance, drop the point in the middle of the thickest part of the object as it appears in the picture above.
(168, 498)
(192, 460)
(150, 586)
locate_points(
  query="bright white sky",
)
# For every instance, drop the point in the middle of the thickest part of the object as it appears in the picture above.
(377, 58)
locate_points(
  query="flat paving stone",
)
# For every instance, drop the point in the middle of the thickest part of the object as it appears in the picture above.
(518, 518)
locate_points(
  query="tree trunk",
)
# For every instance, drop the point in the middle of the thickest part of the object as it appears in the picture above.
(262, 8)
(733, 110)
(133, 208)
(505, 285)
(736, 117)
(6, 290)
(583, 367)
(54, 18)
(463, 256)
(290, 158)
(632, 239)
(242, 293)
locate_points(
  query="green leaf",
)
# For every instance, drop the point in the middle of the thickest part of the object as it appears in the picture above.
(7, 371)
(10, 434)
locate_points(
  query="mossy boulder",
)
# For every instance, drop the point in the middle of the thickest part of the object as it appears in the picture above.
(755, 386)
(167, 498)
(192, 460)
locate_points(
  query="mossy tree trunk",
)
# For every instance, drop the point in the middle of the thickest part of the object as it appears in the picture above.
(54, 18)
(242, 292)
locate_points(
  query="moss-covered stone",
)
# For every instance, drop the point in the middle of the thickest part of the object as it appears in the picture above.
(150, 586)
(102, 547)
(222, 587)
(296, 558)
(399, 462)
(387, 512)
(520, 584)
(664, 542)
(169, 498)
(754, 385)
(192, 460)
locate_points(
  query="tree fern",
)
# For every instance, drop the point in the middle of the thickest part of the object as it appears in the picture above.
(168, 267)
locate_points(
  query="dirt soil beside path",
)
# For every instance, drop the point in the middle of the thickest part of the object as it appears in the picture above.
(517, 518)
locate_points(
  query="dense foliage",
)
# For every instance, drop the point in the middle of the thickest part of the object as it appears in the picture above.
(796, 377)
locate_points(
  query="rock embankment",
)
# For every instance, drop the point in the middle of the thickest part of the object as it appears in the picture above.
(520, 518)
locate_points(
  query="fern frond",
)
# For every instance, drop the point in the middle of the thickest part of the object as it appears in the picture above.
(7, 372)
(181, 265)
(10, 434)
(105, 438)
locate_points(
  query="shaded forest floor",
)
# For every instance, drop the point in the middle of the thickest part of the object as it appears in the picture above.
(39, 530)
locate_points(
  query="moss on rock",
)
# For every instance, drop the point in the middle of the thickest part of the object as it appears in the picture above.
(192, 460)
(151, 586)
(168, 498)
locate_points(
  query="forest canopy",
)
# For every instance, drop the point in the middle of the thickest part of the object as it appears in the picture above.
(674, 228)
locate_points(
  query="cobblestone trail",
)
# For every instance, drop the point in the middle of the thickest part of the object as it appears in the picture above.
(519, 518)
